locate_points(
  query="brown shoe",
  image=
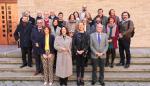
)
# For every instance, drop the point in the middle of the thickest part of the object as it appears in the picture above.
(36, 73)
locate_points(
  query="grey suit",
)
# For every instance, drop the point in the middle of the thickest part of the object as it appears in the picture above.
(98, 61)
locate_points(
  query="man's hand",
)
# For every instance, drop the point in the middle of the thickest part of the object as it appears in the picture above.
(36, 44)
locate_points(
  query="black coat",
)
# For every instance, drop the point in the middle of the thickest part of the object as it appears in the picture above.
(36, 37)
(24, 34)
(51, 43)
(80, 42)
(31, 20)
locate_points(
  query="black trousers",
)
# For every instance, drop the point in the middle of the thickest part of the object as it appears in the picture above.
(111, 52)
(26, 60)
(63, 81)
(124, 46)
(100, 62)
(38, 63)
(80, 63)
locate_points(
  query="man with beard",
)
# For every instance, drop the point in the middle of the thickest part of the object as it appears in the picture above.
(23, 35)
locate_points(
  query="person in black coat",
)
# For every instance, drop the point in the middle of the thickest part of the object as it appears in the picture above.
(23, 35)
(36, 36)
(31, 19)
(80, 43)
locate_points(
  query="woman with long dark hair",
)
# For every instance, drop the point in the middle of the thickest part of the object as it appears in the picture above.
(63, 45)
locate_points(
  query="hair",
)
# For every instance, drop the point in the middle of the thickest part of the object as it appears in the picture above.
(70, 17)
(67, 32)
(124, 13)
(100, 9)
(90, 17)
(48, 29)
(60, 13)
(110, 11)
(76, 12)
(111, 18)
(55, 19)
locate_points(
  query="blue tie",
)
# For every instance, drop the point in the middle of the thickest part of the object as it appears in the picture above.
(99, 38)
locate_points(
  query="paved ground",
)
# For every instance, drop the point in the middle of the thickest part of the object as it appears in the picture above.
(40, 83)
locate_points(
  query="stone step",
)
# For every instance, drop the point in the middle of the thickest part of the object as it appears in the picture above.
(135, 61)
(12, 51)
(13, 76)
(132, 68)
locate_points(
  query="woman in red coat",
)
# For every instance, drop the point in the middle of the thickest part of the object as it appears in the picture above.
(112, 32)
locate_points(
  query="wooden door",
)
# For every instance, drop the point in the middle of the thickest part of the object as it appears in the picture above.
(8, 22)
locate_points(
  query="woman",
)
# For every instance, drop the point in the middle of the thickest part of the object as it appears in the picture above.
(55, 28)
(80, 45)
(112, 14)
(112, 32)
(71, 24)
(48, 51)
(64, 60)
(76, 14)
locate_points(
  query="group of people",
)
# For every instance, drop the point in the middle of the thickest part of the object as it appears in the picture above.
(56, 44)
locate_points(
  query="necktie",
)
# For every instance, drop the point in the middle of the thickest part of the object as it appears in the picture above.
(99, 39)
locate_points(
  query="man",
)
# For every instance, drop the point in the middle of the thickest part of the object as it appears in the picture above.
(23, 34)
(36, 36)
(99, 21)
(83, 12)
(61, 21)
(52, 16)
(99, 46)
(103, 18)
(126, 28)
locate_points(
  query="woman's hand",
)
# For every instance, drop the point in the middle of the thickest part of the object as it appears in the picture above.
(45, 56)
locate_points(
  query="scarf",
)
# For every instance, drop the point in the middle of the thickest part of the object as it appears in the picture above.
(113, 30)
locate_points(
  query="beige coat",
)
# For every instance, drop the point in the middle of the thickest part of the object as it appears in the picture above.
(64, 58)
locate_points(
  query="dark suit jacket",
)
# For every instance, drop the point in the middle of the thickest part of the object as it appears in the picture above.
(24, 34)
(36, 37)
(51, 43)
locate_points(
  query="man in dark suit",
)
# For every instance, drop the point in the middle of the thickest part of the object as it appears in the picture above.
(99, 46)
(36, 36)
(23, 34)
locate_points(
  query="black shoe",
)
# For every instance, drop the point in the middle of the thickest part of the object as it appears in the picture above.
(82, 82)
(111, 66)
(102, 84)
(23, 66)
(93, 83)
(120, 64)
(127, 66)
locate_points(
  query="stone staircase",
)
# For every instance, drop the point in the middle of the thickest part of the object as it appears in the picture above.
(139, 71)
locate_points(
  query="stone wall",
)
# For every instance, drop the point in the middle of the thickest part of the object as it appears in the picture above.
(139, 10)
